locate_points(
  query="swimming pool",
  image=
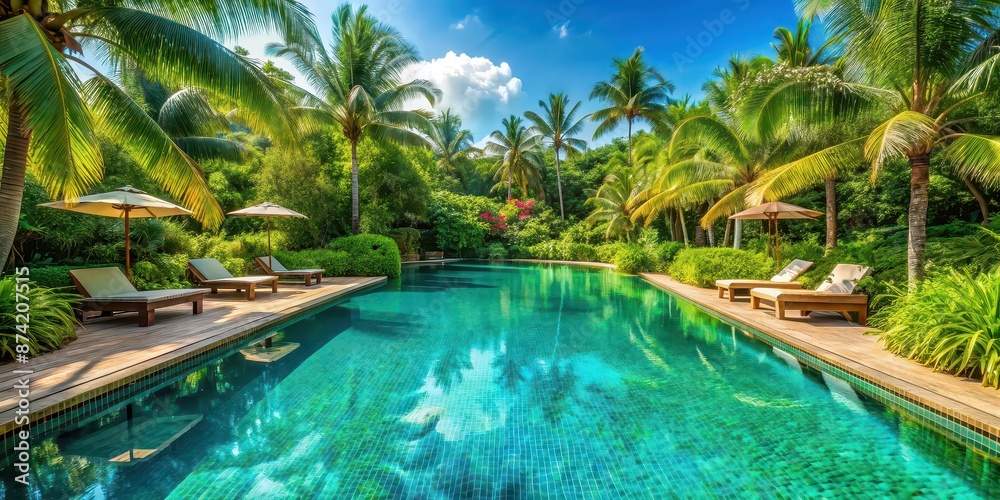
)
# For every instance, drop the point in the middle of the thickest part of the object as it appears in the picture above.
(477, 381)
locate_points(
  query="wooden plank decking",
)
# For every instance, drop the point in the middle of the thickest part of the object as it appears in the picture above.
(845, 345)
(108, 350)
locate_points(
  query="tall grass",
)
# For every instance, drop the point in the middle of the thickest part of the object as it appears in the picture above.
(951, 323)
(52, 323)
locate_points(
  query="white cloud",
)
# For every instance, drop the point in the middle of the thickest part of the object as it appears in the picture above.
(467, 82)
(470, 21)
(563, 29)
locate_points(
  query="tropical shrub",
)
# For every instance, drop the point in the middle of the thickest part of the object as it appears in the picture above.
(703, 266)
(549, 250)
(366, 255)
(161, 272)
(360, 255)
(580, 252)
(951, 323)
(496, 251)
(456, 221)
(52, 325)
(606, 252)
(666, 252)
(634, 258)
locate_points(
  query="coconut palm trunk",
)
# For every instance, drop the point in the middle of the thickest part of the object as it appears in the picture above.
(917, 217)
(737, 233)
(630, 143)
(355, 202)
(562, 211)
(831, 212)
(15, 162)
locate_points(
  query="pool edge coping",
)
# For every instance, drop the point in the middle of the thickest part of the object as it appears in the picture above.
(153, 367)
(946, 419)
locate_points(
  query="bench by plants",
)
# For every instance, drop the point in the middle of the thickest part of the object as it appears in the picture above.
(106, 290)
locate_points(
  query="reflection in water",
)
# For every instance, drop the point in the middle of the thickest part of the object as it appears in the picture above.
(517, 381)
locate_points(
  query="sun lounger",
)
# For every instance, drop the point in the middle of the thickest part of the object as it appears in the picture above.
(784, 280)
(836, 294)
(271, 266)
(107, 290)
(211, 274)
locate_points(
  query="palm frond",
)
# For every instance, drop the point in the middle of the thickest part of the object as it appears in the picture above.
(64, 153)
(976, 157)
(906, 133)
(806, 172)
(126, 123)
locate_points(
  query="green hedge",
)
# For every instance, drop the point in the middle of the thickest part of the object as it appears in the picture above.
(666, 253)
(360, 255)
(703, 266)
(634, 258)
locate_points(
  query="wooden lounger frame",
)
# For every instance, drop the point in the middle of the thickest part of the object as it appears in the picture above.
(307, 275)
(146, 309)
(238, 284)
(807, 302)
(747, 285)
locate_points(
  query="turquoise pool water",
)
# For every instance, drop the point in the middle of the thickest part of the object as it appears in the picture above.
(531, 381)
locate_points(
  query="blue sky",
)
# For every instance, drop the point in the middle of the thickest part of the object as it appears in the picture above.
(493, 59)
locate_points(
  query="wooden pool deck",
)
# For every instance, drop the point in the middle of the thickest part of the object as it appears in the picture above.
(110, 351)
(846, 346)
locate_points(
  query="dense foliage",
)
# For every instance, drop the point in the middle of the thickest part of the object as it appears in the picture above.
(952, 323)
(51, 325)
(703, 266)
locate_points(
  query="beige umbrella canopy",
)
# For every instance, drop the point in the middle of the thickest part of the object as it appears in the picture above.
(267, 210)
(772, 212)
(123, 203)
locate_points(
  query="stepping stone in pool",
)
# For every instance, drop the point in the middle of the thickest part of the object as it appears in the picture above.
(421, 421)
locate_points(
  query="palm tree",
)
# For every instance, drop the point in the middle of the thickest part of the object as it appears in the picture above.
(559, 126)
(191, 121)
(358, 84)
(794, 49)
(450, 142)
(615, 201)
(53, 118)
(519, 156)
(711, 159)
(931, 61)
(636, 91)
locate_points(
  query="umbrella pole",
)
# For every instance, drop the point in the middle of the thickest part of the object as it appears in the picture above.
(270, 259)
(128, 256)
(777, 244)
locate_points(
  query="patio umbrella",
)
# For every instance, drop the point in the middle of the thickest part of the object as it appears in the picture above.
(772, 212)
(267, 210)
(123, 203)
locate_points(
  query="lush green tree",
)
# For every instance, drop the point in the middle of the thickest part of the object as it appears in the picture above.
(616, 200)
(712, 159)
(635, 91)
(518, 153)
(450, 142)
(52, 118)
(358, 83)
(558, 125)
(929, 61)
